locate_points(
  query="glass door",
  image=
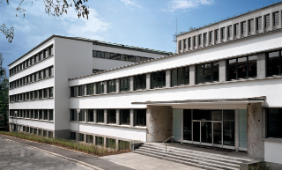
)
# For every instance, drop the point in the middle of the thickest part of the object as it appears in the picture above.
(206, 133)
(217, 134)
(196, 132)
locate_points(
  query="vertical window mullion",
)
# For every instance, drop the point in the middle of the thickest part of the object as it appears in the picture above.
(247, 70)
(236, 68)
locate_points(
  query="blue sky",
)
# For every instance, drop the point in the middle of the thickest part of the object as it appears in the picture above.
(143, 23)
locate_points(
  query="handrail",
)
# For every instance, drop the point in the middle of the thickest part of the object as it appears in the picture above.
(165, 141)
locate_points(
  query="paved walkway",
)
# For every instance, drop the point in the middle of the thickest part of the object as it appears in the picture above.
(95, 162)
(142, 162)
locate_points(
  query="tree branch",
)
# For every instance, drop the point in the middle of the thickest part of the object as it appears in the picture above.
(9, 33)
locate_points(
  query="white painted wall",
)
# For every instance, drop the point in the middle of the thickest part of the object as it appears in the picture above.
(34, 104)
(105, 64)
(117, 132)
(272, 152)
(33, 123)
(239, 48)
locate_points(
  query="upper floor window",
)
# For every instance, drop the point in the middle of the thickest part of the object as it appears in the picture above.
(273, 122)
(111, 116)
(180, 76)
(211, 37)
(229, 32)
(274, 63)
(189, 42)
(140, 82)
(244, 27)
(124, 116)
(251, 25)
(179, 44)
(217, 35)
(73, 114)
(90, 117)
(275, 18)
(112, 86)
(208, 72)
(140, 117)
(222, 33)
(267, 21)
(242, 68)
(205, 38)
(90, 89)
(194, 41)
(185, 43)
(124, 84)
(100, 87)
(100, 116)
(259, 23)
(122, 57)
(158, 79)
(236, 32)
(200, 39)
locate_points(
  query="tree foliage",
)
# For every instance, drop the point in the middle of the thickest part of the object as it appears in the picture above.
(53, 8)
(4, 92)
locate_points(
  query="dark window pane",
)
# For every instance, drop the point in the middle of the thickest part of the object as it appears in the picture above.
(112, 116)
(90, 115)
(124, 116)
(208, 72)
(140, 117)
(274, 126)
(158, 79)
(111, 86)
(102, 55)
(124, 84)
(94, 53)
(200, 73)
(186, 76)
(252, 66)
(273, 65)
(100, 116)
(100, 87)
(229, 127)
(242, 67)
(107, 55)
(215, 72)
(187, 126)
(123, 58)
(232, 69)
(174, 77)
(111, 143)
(180, 76)
(99, 141)
(140, 82)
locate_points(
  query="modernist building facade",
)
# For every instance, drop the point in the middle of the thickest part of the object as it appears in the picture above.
(221, 89)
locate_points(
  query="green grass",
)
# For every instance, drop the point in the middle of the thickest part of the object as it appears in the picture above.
(259, 166)
(71, 144)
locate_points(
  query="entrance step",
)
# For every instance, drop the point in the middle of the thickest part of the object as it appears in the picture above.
(191, 157)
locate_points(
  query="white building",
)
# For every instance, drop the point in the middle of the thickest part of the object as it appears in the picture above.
(221, 89)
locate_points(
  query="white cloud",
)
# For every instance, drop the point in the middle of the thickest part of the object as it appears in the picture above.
(186, 4)
(131, 3)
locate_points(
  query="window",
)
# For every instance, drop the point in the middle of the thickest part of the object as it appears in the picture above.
(50, 71)
(99, 141)
(50, 114)
(217, 35)
(50, 92)
(40, 114)
(111, 86)
(205, 38)
(73, 114)
(199, 39)
(31, 114)
(111, 116)
(44, 133)
(72, 91)
(100, 87)
(180, 76)
(73, 136)
(45, 93)
(251, 25)
(36, 114)
(140, 117)
(111, 143)
(179, 44)
(208, 72)
(194, 41)
(243, 27)
(275, 18)
(100, 116)
(79, 90)
(40, 132)
(185, 43)
(274, 63)
(50, 50)
(158, 79)
(90, 115)
(89, 139)
(229, 127)
(242, 68)
(81, 114)
(50, 134)
(124, 84)
(124, 116)
(35, 131)
(189, 42)
(223, 33)
(273, 122)
(81, 137)
(140, 82)
(267, 21)
(236, 32)
(123, 145)
(107, 55)
(90, 89)
(45, 114)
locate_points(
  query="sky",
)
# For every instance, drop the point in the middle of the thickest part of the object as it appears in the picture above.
(143, 23)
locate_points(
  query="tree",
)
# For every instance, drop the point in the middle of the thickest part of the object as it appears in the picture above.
(4, 92)
(52, 7)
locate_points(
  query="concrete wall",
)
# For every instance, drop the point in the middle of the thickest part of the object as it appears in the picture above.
(159, 125)
(255, 131)
(273, 152)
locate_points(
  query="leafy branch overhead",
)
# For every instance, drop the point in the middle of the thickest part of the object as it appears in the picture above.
(52, 7)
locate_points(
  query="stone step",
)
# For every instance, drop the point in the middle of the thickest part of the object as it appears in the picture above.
(176, 149)
(202, 161)
(189, 163)
(187, 153)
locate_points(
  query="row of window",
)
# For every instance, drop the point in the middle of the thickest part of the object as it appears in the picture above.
(99, 141)
(33, 95)
(39, 75)
(45, 114)
(139, 116)
(32, 130)
(236, 68)
(32, 60)
(121, 57)
(220, 34)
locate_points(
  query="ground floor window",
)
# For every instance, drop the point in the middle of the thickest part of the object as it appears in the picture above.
(273, 122)
(99, 141)
(81, 137)
(111, 143)
(89, 139)
(73, 136)
(123, 145)
(35, 131)
(50, 134)
(140, 117)
(44, 133)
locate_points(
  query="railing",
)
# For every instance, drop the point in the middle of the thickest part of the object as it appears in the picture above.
(164, 142)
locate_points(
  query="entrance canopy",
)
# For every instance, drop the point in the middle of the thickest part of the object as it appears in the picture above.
(206, 102)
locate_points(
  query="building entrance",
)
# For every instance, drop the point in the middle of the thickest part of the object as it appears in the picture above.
(209, 127)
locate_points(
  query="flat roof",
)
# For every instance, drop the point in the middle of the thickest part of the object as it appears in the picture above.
(97, 42)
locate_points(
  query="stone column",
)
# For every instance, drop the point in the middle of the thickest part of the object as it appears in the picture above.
(255, 129)
(117, 117)
(167, 78)
(117, 144)
(117, 85)
(159, 127)
(131, 117)
(131, 83)
(148, 81)
(261, 65)
(222, 70)
(192, 75)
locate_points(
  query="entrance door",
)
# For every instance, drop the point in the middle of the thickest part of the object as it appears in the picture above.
(206, 133)
(217, 134)
(196, 132)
